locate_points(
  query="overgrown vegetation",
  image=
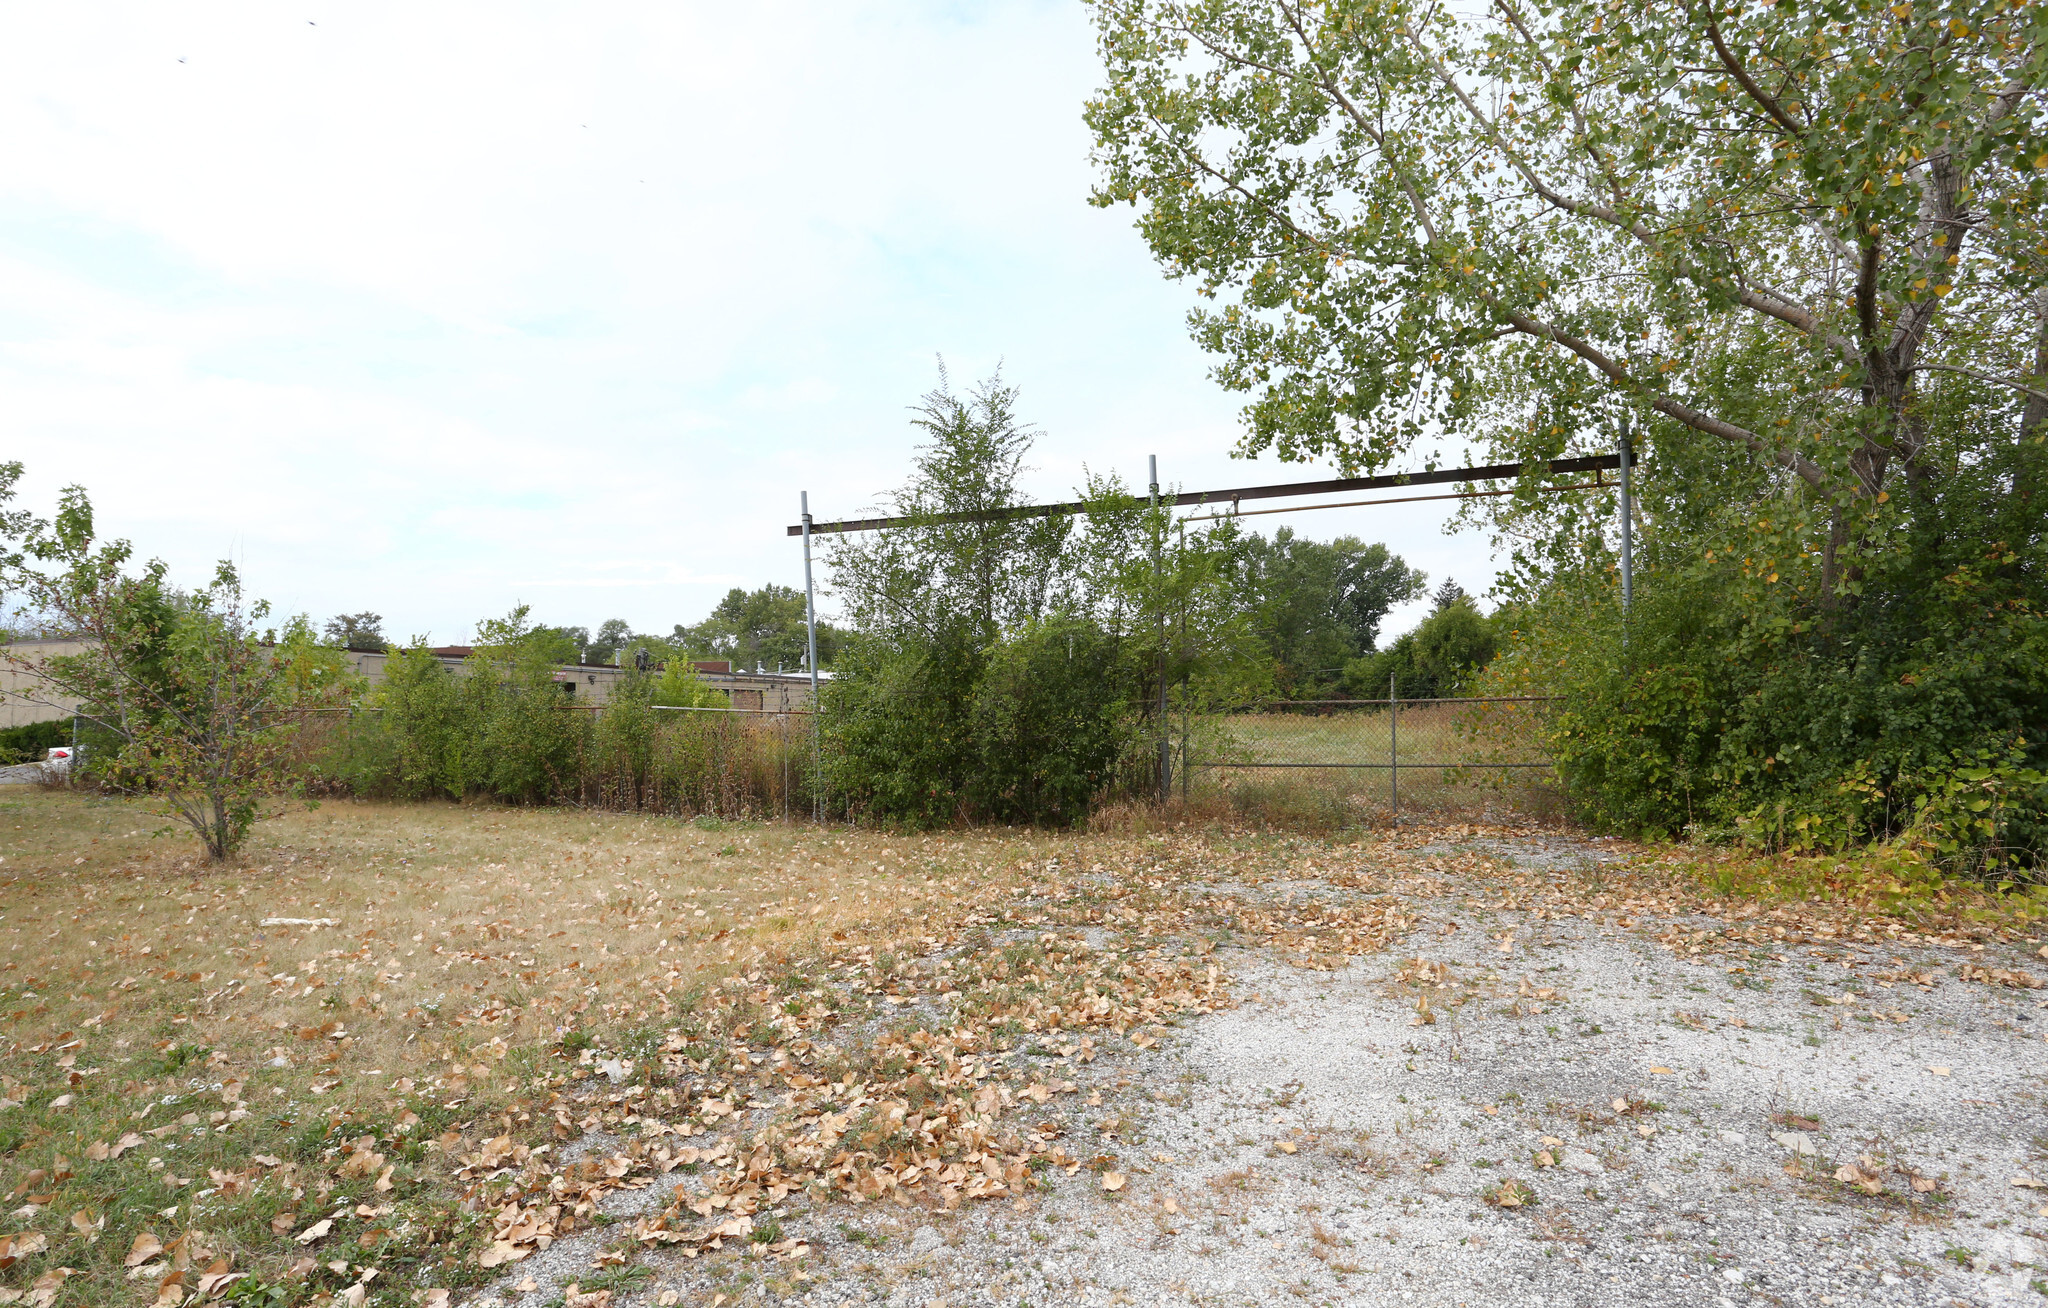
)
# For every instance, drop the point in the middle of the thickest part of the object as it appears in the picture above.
(1797, 248)
(501, 728)
(1009, 667)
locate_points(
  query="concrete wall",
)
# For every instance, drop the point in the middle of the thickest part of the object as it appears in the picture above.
(24, 696)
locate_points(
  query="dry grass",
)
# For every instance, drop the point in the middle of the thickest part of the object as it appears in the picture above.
(567, 916)
(200, 1102)
(140, 990)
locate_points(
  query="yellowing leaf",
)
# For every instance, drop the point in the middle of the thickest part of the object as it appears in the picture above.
(48, 1286)
(21, 1245)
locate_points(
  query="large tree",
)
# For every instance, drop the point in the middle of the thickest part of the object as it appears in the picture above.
(1409, 217)
(1317, 606)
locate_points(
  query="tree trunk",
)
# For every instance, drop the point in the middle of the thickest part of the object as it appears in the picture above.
(2036, 411)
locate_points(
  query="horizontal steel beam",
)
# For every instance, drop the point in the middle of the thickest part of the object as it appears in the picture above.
(1475, 767)
(1338, 486)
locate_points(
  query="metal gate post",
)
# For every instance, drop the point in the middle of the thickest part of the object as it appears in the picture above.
(811, 641)
(1627, 530)
(1394, 743)
(1158, 590)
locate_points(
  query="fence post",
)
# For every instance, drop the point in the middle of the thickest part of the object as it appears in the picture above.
(811, 642)
(1627, 531)
(1394, 745)
(1165, 728)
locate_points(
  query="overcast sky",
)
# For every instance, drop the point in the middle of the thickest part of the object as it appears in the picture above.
(432, 309)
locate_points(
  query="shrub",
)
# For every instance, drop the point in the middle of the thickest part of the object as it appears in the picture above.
(33, 741)
(679, 686)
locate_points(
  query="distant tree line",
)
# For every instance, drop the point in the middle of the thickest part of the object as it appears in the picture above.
(752, 629)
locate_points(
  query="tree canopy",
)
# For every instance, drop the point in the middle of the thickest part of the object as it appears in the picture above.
(1410, 218)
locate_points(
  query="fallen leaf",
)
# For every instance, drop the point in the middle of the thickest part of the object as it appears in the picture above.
(45, 1289)
(500, 1253)
(88, 1226)
(215, 1279)
(317, 1230)
(21, 1245)
(1851, 1174)
(146, 1247)
(1662, 1071)
(1112, 1181)
(2029, 1183)
(1286, 1146)
(1797, 1141)
(1938, 1071)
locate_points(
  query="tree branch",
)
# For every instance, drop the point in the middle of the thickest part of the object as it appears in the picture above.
(2010, 383)
(1807, 469)
(1742, 77)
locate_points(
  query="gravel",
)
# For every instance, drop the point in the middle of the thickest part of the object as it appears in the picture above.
(1320, 1144)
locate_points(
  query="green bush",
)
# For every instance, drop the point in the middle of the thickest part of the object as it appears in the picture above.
(33, 741)
(1913, 710)
(1052, 721)
(502, 728)
(679, 686)
(1030, 728)
(897, 722)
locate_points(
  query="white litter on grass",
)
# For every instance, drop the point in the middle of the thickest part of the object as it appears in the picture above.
(1799, 1142)
(300, 921)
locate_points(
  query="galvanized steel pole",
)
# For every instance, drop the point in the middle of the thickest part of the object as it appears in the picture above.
(811, 643)
(1159, 592)
(1627, 526)
(1394, 746)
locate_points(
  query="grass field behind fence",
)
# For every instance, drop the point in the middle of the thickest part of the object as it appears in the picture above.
(1450, 757)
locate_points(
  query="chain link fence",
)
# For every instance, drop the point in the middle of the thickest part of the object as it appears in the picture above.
(1371, 762)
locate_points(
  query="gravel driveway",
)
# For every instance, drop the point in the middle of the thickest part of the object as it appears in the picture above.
(1511, 1107)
